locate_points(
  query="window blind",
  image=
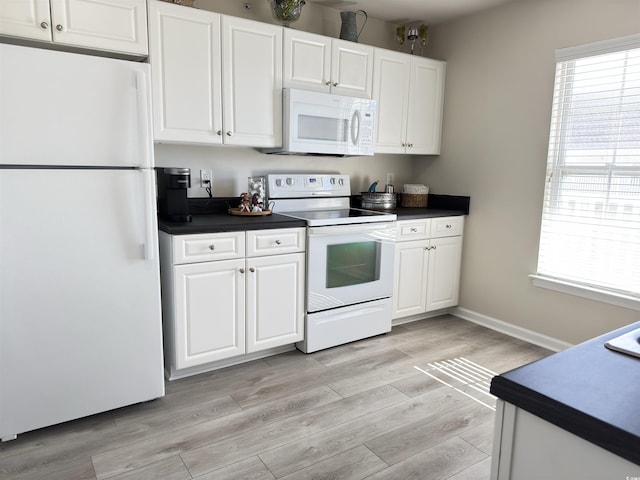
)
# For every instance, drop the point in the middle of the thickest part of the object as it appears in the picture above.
(590, 231)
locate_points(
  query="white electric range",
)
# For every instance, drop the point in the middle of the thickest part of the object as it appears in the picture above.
(350, 258)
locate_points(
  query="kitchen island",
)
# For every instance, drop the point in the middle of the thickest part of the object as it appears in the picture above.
(575, 414)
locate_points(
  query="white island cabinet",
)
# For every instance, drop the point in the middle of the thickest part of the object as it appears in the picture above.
(216, 79)
(427, 265)
(229, 294)
(108, 25)
(527, 447)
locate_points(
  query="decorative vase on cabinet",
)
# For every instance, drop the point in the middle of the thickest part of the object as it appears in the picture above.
(287, 11)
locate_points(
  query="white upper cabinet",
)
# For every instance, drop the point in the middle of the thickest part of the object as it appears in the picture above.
(252, 79)
(410, 94)
(193, 53)
(184, 53)
(109, 25)
(390, 90)
(323, 64)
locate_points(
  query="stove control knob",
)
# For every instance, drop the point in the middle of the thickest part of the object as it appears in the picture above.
(289, 181)
(341, 182)
(332, 181)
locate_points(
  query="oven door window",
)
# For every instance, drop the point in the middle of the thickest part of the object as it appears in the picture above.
(352, 264)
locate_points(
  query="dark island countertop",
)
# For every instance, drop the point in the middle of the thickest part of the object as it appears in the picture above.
(210, 216)
(588, 390)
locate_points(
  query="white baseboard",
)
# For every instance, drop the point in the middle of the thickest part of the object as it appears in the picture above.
(530, 336)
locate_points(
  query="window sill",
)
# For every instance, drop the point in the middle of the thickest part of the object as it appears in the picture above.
(620, 300)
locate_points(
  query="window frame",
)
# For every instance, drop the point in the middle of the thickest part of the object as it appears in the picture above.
(601, 293)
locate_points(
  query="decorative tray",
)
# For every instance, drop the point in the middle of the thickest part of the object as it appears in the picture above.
(236, 211)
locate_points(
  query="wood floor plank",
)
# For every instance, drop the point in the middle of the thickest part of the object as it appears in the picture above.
(477, 471)
(294, 456)
(79, 468)
(221, 453)
(355, 464)
(250, 469)
(437, 463)
(406, 441)
(179, 440)
(480, 436)
(171, 468)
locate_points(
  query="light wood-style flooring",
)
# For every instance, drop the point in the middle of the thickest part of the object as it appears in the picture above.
(380, 408)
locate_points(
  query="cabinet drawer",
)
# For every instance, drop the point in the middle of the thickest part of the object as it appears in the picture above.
(447, 226)
(273, 242)
(413, 229)
(207, 247)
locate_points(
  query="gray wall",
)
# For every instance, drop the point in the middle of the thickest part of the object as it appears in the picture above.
(499, 86)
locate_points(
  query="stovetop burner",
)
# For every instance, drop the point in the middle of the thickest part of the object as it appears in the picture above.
(340, 216)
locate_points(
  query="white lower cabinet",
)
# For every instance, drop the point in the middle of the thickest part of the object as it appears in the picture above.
(209, 317)
(222, 297)
(427, 265)
(275, 301)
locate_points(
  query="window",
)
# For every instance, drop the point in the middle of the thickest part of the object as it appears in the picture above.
(590, 235)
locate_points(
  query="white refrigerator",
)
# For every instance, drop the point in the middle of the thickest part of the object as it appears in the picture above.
(80, 321)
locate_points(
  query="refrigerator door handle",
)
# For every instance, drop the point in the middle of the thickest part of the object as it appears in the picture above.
(144, 119)
(150, 245)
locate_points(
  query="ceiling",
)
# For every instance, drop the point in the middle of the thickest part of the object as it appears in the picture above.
(430, 12)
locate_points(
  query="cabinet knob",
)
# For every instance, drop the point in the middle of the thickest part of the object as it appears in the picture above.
(219, 133)
(212, 247)
(229, 133)
(404, 144)
(44, 25)
(414, 229)
(252, 270)
(335, 84)
(449, 226)
(242, 270)
(278, 242)
(410, 145)
(59, 27)
(327, 83)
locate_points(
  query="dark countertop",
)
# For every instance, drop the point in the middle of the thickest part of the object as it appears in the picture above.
(210, 215)
(223, 222)
(588, 390)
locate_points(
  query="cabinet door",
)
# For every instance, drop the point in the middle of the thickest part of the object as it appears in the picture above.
(426, 94)
(275, 301)
(443, 282)
(351, 68)
(26, 18)
(252, 76)
(307, 61)
(410, 290)
(391, 91)
(116, 25)
(184, 52)
(209, 299)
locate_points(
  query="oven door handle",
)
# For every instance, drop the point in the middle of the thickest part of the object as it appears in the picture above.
(386, 227)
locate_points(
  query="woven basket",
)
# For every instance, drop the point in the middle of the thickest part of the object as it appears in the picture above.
(414, 200)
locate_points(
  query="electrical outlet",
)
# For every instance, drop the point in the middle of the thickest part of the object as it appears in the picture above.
(206, 178)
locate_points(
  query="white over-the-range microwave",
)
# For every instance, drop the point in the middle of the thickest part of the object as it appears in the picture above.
(326, 124)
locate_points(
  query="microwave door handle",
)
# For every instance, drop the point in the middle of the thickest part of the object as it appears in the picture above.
(355, 127)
